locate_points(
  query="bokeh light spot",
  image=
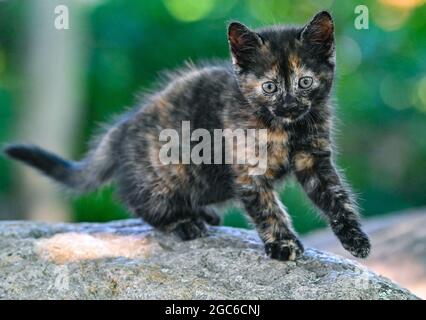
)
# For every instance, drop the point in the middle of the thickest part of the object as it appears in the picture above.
(189, 10)
(395, 93)
(349, 55)
(268, 11)
(421, 94)
(405, 4)
(390, 18)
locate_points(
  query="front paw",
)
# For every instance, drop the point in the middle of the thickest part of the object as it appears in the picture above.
(354, 240)
(284, 250)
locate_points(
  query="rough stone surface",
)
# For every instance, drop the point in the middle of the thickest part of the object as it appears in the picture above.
(129, 260)
(398, 247)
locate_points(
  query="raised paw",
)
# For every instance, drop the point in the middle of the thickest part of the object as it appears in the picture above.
(284, 250)
(189, 230)
(210, 216)
(355, 241)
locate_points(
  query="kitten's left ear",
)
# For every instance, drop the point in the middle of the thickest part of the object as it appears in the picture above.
(319, 32)
(243, 43)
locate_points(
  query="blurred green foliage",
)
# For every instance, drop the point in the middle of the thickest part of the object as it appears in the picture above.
(380, 87)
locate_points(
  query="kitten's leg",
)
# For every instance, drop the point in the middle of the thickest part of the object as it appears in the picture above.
(169, 213)
(270, 217)
(326, 189)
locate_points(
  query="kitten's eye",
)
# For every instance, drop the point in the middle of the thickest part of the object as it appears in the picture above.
(305, 82)
(269, 87)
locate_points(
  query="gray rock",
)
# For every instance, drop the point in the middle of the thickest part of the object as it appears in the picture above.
(398, 247)
(129, 260)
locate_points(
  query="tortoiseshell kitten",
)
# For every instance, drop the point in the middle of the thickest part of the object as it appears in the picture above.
(280, 80)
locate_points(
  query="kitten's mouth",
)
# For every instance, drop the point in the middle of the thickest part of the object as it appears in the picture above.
(291, 115)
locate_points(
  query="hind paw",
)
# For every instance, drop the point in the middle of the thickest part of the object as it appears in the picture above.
(189, 230)
(210, 216)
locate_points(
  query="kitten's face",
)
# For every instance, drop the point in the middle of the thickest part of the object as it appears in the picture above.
(284, 72)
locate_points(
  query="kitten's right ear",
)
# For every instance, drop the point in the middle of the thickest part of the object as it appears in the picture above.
(319, 33)
(243, 43)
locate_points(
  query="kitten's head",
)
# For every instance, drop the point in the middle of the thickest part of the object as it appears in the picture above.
(284, 71)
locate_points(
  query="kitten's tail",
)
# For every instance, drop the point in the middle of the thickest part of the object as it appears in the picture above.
(86, 175)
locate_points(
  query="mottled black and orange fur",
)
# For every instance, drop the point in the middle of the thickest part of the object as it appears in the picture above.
(177, 198)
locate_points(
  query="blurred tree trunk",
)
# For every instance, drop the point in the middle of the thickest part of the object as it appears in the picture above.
(51, 101)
